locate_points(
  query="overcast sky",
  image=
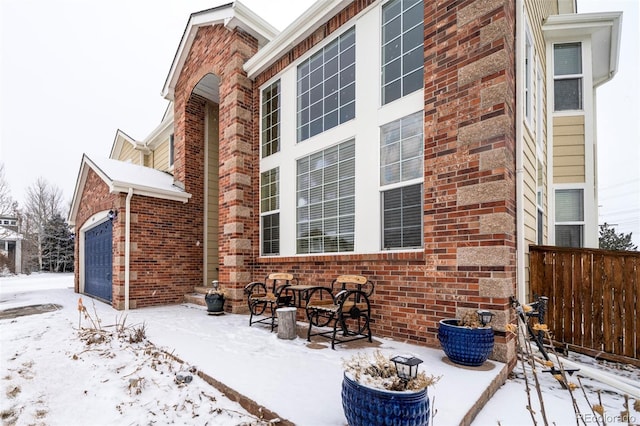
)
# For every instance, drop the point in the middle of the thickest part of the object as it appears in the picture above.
(75, 71)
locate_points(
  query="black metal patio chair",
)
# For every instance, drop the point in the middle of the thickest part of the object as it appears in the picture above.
(343, 307)
(268, 296)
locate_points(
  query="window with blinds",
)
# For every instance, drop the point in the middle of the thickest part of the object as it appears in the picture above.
(567, 72)
(401, 175)
(569, 217)
(326, 200)
(269, 206)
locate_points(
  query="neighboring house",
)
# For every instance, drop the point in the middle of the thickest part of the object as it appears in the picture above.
(418, 143)
(11, 244)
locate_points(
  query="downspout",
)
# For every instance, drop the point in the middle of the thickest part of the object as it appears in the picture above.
(127, 247)
(520, 256)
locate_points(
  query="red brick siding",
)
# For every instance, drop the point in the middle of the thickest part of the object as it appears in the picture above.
(222, 52)
(165, 259)
(413, 292)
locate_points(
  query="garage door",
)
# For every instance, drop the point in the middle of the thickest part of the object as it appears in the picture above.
(98, 261)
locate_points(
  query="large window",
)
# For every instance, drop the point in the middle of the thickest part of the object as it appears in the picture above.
(402, 48)
(569, 217)
(567, 72)
(270, 217)
(326, 87)
(401, 175)
(326, 200)
(271, 119)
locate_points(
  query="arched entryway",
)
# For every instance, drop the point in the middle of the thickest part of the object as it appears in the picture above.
(207, 91)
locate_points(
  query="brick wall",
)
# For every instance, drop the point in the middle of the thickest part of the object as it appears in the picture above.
(164, 262)
(222, 52)
(469, 260)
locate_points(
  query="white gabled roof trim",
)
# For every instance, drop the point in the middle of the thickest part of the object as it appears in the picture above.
(119, 140)
(120, 177)
(301, 28)
(161, 132)
(604, 29)
(231, 15)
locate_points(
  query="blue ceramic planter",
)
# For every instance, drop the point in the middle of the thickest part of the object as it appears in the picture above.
(364, 406)
(464, 345)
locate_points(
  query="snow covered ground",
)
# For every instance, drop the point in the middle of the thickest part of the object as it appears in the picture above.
(53, 373)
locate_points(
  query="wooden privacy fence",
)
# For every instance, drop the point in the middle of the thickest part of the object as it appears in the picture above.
(593, 298)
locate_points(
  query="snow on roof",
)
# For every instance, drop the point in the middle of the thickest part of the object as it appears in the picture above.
(7, 234)
(122, 176)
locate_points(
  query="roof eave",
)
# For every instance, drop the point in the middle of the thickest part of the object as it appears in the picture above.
(123, 187)
(231, 15)
(606, 24)
(297, 31)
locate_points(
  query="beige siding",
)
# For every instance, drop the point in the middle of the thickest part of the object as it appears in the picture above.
(537, 11)
(161, 156)
(129, 153)
(213, 194)
(568, 149)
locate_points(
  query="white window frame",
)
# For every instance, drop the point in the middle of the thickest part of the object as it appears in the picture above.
(384, 188)
(274, 211)
(580, 77)
(539, 109)
(276, 125)
(403, 52)
(582, 222)
(529, 49)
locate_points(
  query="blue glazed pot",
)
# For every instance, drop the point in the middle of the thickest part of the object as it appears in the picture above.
(365, 406)
(464, 345)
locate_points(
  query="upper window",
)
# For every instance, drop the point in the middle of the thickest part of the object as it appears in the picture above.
(326, 200)
(569, 217)
(567, 74)
(402, 48)
(171, 150)
(271, 119)
(539, 109)
(327, 87)
(528, 75)
(270, 217)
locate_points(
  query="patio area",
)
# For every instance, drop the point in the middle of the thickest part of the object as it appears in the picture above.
(300, 381)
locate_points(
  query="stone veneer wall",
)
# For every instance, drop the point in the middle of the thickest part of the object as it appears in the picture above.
(469, 260)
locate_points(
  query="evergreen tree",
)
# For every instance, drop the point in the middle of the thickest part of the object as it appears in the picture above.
(57, 246)
(610, 240)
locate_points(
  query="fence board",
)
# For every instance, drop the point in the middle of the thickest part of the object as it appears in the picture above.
(630, 306)
(587, 300)
(593, 296)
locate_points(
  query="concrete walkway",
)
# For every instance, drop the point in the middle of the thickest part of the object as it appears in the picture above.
(296, 380)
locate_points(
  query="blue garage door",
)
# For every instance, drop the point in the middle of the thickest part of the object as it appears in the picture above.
(98, 261)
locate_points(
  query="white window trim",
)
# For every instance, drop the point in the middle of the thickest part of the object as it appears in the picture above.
(364, 129)
(586, 205)
(582, 76)
(529, 70)
(539, 109)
